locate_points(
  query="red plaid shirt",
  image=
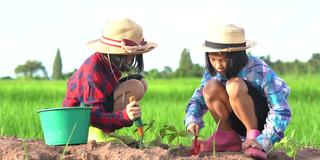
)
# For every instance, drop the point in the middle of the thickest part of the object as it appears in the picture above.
(93, 84)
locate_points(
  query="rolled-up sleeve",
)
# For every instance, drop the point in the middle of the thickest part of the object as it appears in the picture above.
(279, 116)
(109, 122)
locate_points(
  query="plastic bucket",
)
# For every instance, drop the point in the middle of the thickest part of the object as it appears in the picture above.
(65, 125)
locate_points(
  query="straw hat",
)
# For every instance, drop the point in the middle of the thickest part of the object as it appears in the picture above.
(226, 38)
(122, 36)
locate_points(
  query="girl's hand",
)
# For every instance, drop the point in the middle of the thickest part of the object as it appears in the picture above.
(193, 128)
(133, 110)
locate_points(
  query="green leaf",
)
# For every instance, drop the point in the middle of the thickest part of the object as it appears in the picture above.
(292, 134)
(162, 133)
(113, 139)
(284, 140)
(125, 139)
(171, 137)
(155, 142)
(292, 153)
(171, 128)
(150, 125)
(183, 134)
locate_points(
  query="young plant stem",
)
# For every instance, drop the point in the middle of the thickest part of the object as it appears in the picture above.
(25, 149)
(65, 147)
(214, 141)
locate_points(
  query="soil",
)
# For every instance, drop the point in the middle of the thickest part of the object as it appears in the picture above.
(15, 148)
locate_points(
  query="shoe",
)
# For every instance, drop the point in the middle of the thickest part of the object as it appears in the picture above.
(252, 151)
(224, 141)
(255, 153)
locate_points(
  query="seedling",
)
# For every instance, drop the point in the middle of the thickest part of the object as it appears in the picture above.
(65, 147)
(289, 145)
(172, 133)
(26, 151)
(214, 141)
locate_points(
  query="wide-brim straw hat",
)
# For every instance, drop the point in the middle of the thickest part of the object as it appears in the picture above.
(226, 37)
(122, 36)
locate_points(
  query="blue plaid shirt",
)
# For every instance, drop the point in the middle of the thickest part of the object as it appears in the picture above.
(267, 82)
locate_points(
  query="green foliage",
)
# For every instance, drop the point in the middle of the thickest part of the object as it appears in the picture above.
(69, 74)
(172, 133)
(289, 144)
(29, 70)
(165, 73)
(185, 64)
(169, 132)
(57, 67)
(186, 67)
(296, 67)
(165, 103)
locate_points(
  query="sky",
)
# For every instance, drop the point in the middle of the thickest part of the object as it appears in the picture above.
(35, 29)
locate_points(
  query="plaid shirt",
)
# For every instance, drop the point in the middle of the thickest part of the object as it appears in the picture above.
(93, 84)
(266, 81)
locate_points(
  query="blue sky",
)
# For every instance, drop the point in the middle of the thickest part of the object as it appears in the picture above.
(35, 29)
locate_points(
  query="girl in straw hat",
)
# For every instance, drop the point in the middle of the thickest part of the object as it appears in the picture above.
(243, 94)
(97, 82)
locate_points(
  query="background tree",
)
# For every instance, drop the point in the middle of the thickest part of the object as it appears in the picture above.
(166, 72)
(188, 69)
(153, 73)
(30, 69)
(69, 74)
(197, 70)
(314, 63)
(185, 65)
(57, 67)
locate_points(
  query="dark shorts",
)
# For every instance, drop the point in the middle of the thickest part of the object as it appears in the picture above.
(110, 98)
(261, 110)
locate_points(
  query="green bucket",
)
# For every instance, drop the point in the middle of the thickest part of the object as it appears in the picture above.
(65, 125)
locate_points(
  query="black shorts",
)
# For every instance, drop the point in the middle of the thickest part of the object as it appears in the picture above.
(261, 110)
(110, 99)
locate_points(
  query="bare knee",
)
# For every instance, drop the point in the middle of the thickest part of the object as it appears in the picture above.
(236, 87)
(212, 89)
(131, 87)
(136, 88)
(216, 99)
(145, 84)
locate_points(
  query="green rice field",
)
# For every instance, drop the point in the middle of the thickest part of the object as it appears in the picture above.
(165, 103)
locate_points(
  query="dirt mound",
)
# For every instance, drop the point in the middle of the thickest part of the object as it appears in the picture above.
(15, 148)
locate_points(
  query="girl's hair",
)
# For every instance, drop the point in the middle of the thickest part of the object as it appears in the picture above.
(121, 61)
(235, 62)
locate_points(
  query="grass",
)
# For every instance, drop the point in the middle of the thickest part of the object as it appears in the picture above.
(165, 102)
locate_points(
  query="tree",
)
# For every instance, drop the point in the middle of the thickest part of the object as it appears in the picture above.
(185, 65)
(166, 73)
(153, 73)
(267, 59)
(197, 70)
(57, 67)
(30, 68)
(69, 74)
(314, 63)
